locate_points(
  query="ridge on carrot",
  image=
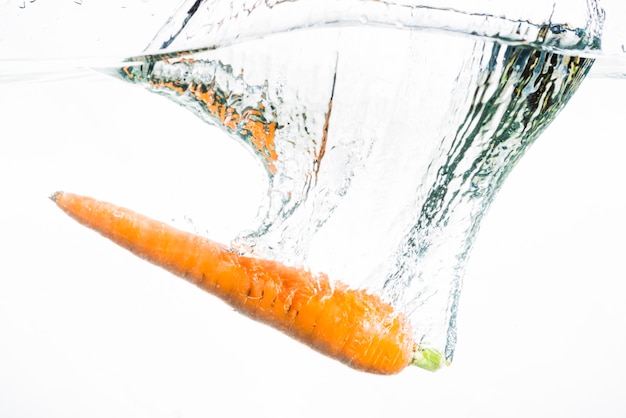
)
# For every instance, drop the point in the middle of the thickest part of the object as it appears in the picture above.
(350, 325)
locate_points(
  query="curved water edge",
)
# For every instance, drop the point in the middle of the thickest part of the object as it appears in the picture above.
(215, 23)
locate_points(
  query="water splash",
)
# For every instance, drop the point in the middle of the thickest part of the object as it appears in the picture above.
(380, 161)
(384, 129)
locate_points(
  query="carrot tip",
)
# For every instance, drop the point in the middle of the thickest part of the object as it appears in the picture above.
(429, 359)
(55, 196)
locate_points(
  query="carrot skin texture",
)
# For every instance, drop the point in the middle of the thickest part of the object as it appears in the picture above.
(349, 325)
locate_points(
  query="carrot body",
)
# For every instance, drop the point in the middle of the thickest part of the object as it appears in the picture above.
(352, 326)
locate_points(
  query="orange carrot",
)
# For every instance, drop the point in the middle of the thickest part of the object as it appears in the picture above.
(352, 326)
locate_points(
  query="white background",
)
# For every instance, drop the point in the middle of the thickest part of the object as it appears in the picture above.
(87, 330)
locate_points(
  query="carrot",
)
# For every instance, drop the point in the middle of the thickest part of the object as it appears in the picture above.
(352, 326)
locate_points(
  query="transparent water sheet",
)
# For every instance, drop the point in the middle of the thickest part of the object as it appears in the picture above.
(359, 154)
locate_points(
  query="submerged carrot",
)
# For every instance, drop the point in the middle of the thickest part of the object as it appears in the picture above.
(352, 326)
